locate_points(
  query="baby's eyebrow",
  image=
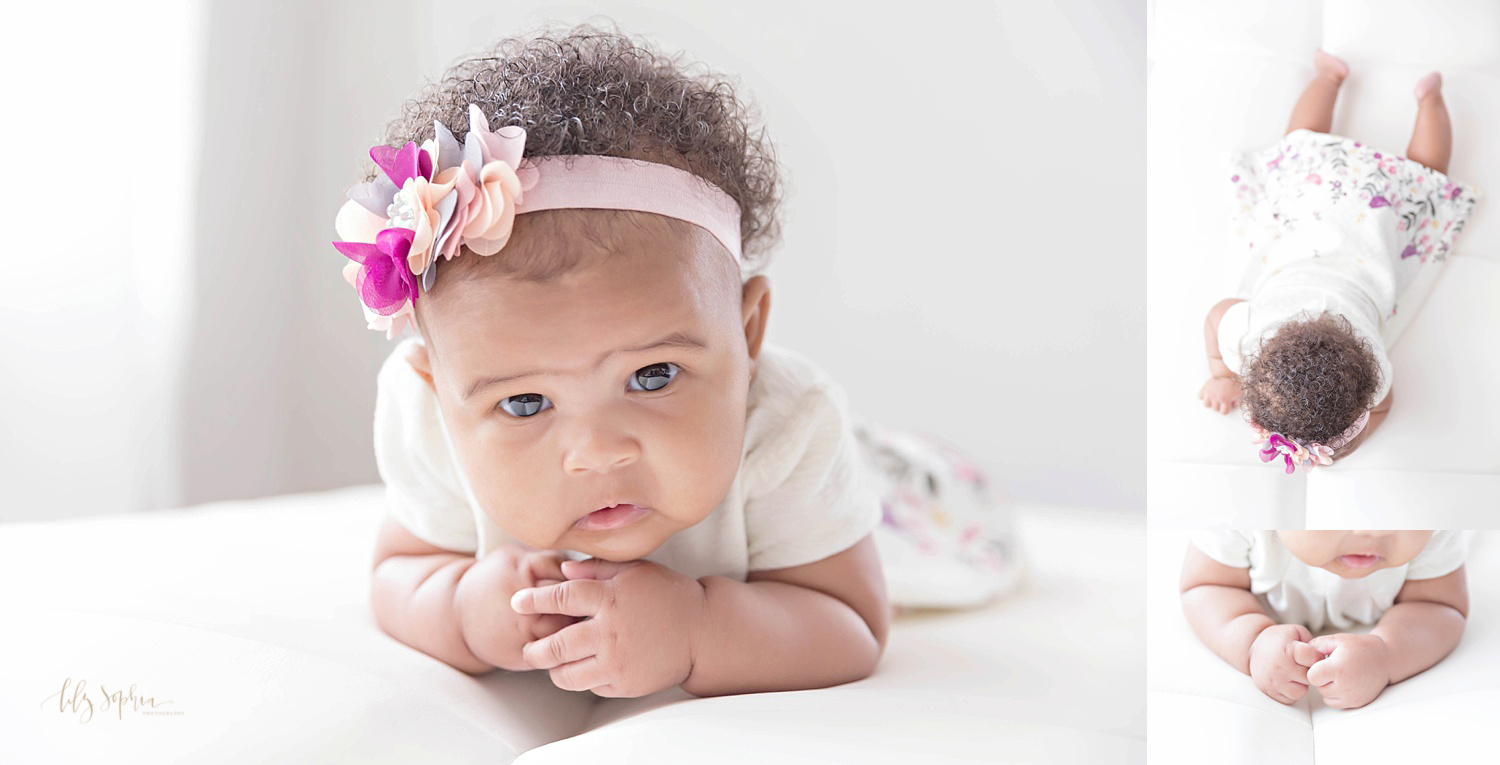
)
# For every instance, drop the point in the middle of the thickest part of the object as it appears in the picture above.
(677, 339)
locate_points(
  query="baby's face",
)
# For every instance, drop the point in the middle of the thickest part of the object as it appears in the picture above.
(619, 383)
(1355, 554)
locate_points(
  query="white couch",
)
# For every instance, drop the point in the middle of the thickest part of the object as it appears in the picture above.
(1202, 710)
(263, 640)
(1223, 75)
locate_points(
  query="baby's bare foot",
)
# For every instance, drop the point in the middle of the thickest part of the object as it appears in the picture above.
(1432, 83)
(1330, 66)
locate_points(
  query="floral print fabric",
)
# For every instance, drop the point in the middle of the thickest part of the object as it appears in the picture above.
(1307, 177)
(945, 539)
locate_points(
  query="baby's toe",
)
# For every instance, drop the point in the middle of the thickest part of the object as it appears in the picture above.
(1330, 65)
(1432, 83)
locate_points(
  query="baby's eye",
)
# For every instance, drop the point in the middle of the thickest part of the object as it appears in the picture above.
(524, 405)
(654, 377)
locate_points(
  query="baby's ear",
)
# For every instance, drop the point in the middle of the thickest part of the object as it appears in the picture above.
(755, 308)
(419, 361)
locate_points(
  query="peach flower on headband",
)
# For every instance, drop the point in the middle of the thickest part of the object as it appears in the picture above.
(490, 179)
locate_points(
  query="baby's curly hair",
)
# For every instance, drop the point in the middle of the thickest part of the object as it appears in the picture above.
(1312, 379)
(590, 90)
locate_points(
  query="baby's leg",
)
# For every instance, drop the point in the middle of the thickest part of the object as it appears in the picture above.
(1314, 110)
(1432, 137)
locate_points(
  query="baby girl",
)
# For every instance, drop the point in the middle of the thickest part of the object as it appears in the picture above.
(1256, 598)
(595, 463)
(1336, 232)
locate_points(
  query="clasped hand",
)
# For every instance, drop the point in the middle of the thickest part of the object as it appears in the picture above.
(638, 632)
(1347, 670)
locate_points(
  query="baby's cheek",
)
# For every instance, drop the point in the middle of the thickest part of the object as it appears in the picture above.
(708, 444)
(516, 497)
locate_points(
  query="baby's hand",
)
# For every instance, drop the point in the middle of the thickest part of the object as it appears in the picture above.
(1279, 658)
(638, 638)
(493, 630)
(1355, 671)
(1221, 394)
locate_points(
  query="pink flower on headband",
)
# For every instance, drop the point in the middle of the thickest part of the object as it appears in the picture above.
(1291, 452)
(1277, 444)
(385, 282)
(430, 201)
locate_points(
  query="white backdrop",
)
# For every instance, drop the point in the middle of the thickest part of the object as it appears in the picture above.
(963, 247)
(101, 135)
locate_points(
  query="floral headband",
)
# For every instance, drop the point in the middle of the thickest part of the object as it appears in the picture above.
(1295, 453)
(434, 199)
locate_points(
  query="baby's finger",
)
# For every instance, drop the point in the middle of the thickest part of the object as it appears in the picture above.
(1297, 674)
(1326, 644)
(1294, 691)
(595, 568)
(547, 565)
(1305, 654)
(543, 625)
(1320, 674)
(579, 675)
(570, 644)
(579, 597)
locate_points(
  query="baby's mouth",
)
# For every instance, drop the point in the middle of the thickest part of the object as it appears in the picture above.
(611, 517)
(1359, 561)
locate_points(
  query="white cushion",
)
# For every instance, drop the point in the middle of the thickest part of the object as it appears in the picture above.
(265, 642)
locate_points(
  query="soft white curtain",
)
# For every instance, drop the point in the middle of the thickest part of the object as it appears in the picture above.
(102, 148)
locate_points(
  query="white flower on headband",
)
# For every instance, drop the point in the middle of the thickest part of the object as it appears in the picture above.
(430, 201)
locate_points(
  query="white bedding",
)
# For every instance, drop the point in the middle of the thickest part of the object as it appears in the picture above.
(1223, 77)
(266, 646)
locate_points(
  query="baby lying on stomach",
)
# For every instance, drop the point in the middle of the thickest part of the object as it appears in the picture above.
(1257, 597)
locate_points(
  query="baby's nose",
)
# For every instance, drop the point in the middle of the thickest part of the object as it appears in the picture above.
(599, 449)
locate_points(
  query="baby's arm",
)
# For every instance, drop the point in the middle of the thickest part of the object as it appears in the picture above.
(1228, 619)
(1425, 624)
(1222, 391)
(1417, 632)
(809, 626)
(452, 606)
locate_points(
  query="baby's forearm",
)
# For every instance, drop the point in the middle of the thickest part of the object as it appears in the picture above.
(1418, 634)
(413, 599)
(772, 636)
(1227, 620)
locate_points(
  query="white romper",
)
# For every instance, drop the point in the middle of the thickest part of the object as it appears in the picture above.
(1329, 223)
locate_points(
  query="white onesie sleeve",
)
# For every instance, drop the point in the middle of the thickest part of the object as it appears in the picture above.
(1444, 553)
(1231, 548)
(808, 493)
(1233, 326)
(422, 488)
